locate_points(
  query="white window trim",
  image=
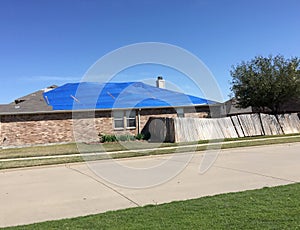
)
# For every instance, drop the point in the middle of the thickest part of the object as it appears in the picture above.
(125, 117)
(115, 118)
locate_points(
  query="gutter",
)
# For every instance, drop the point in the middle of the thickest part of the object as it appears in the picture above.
(105, 109)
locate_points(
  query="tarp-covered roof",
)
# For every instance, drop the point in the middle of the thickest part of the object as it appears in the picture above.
(121, 95)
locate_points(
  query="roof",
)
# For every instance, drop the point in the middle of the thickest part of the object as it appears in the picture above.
(233, 109)
(291, 106)
(33, 102)
(121, 95)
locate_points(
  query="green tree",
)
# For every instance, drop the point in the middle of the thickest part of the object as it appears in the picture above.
(266, 82)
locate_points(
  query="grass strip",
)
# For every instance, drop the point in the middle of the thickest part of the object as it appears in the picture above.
(186, 148)
(73, 148)
(267, 208)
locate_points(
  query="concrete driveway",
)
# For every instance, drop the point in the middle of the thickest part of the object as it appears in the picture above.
(55, 192)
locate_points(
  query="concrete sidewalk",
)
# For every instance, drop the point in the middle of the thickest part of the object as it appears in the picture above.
(55, 192)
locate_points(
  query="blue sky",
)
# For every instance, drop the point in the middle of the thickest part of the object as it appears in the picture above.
(45, 42)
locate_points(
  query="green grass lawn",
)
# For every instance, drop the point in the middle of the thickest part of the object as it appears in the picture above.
(72, 148)
(267, 208)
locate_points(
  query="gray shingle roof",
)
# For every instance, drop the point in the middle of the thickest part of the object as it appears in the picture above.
(291, 106)
(31, 103)
(233, 109)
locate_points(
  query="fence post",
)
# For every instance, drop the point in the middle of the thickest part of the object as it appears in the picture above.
(262, 125)
(276, 115)
(235, 127)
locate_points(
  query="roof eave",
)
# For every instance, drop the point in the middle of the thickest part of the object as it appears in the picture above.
(98, 110)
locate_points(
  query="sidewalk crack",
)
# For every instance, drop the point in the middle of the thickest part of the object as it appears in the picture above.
(255, 173)
(104, 184)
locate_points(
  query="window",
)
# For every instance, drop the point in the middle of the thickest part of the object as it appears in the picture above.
(180, 112)
(118, 119)
(124, 119)
(130, 119)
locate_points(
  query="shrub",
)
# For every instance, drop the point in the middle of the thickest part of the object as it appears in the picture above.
(142, 136)
(139, 136)
(126, 137)
(107, 138)
(113, 138)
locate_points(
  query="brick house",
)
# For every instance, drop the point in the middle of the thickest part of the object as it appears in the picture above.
(51, 115)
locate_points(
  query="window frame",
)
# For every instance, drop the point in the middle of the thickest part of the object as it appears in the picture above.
(118, 118)
(125, 116)
(130, 115)
(180, 112)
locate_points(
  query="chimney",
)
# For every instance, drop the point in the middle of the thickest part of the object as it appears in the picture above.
(160, 82)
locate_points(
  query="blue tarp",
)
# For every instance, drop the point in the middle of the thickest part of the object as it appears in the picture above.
(121, 95)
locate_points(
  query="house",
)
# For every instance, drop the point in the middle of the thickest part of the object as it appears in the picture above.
(231, 108)
(80, 111)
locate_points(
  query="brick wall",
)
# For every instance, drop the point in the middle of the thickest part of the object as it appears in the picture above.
(31, 129)
(198, 112)
(35, 129)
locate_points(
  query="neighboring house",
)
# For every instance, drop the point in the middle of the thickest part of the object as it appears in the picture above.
(291, 106)
(52, 115)
(230, 108)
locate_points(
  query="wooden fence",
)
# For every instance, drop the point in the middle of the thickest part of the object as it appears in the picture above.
(246, 125)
